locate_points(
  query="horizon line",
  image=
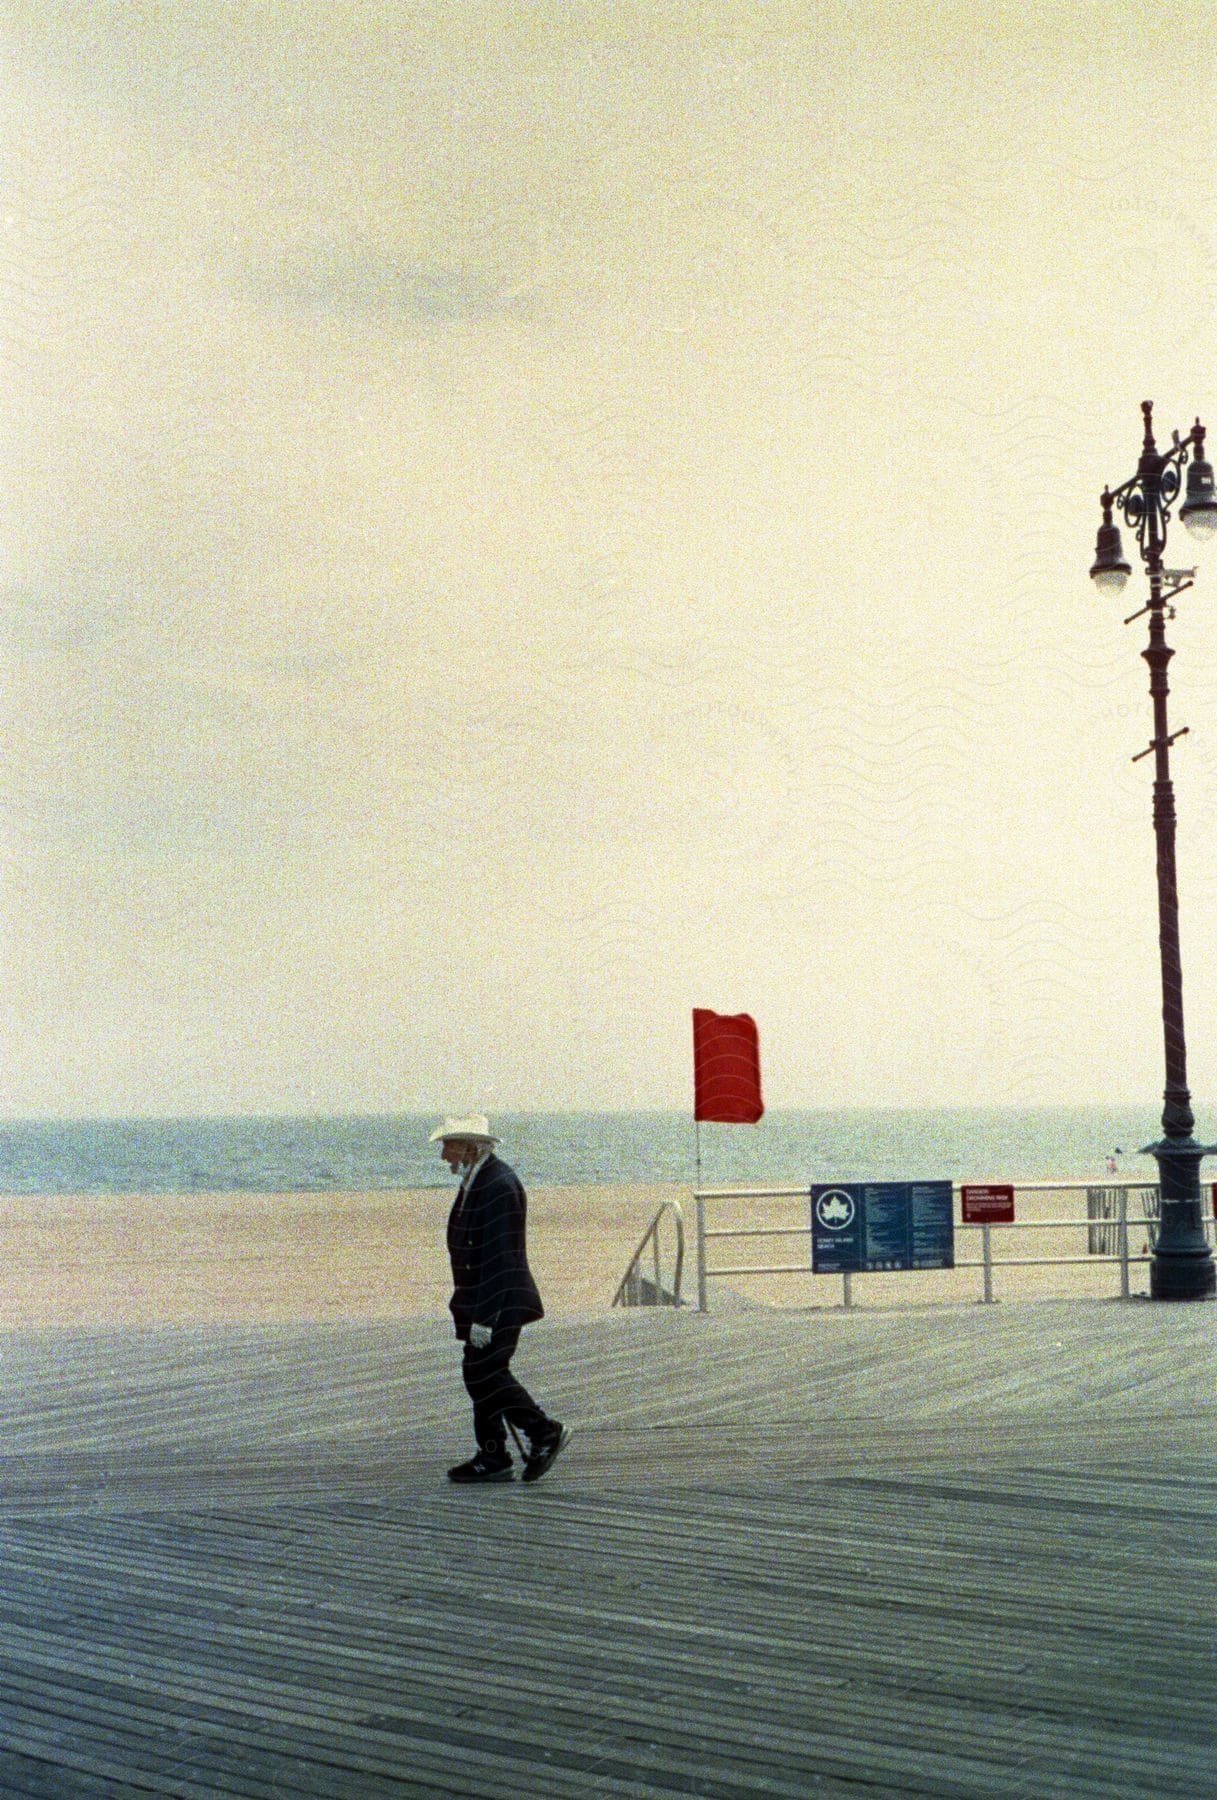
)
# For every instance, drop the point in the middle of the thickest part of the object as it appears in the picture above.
(513, 1112)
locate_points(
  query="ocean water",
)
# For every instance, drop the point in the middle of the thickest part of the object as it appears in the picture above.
(279, 1155)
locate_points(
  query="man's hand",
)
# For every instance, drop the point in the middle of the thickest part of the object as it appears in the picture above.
(479, 1336)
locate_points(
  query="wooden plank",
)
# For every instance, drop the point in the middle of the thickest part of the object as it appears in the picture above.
(25, 1777)
(767, 1642)
(769, 1562)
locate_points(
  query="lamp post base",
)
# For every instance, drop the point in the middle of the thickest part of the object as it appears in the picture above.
(1182, 1266)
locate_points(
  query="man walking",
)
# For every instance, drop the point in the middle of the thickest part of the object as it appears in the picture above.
(494, 1297)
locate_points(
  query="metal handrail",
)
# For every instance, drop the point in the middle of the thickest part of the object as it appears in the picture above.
(744, 1231)
(1119, 1226)
(651, 1236)
(1022, 1187)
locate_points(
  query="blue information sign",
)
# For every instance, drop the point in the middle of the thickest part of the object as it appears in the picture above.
(864, 1226)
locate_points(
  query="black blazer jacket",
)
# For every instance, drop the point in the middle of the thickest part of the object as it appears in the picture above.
(493, 1284)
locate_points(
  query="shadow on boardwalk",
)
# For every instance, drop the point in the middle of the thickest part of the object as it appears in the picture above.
(940, 1552)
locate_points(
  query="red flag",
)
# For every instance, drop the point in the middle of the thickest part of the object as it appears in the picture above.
(726, 1068)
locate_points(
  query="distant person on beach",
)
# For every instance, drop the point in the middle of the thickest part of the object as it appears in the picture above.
(494, 1297)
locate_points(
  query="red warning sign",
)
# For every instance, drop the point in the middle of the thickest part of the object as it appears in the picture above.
(987, 1205)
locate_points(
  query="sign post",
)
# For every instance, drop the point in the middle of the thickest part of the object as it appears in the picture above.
(987, 1204)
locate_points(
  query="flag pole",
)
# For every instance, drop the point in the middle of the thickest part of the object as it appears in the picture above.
(700, 1207)
(726, 1088)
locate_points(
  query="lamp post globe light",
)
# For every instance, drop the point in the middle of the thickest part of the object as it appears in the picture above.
(1182, 1266)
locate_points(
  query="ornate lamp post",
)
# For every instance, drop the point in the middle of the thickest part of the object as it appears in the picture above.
(1182, 1267)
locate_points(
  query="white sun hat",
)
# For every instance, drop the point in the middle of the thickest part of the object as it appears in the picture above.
(472, 1130)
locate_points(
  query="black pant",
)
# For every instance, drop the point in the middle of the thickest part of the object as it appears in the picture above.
(497, 1395)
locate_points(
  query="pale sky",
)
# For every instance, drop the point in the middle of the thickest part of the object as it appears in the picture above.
(521, 520)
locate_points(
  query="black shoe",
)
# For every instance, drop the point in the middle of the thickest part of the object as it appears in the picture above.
(542, 1453)
(480, 1468)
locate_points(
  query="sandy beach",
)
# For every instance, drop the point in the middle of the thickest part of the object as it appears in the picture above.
(148, 1260)
(159, 1259)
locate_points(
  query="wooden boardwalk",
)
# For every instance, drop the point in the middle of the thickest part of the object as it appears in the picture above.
(944, 1552)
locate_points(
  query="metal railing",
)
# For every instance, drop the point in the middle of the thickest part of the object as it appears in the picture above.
(1111, 1247)
(637, 1289)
